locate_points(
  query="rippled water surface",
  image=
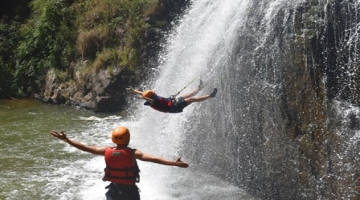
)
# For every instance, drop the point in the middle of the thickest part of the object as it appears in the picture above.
(35, 165)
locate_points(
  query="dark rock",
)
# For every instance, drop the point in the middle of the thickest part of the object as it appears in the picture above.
(37, 97)
(89, 105)
(46, 99)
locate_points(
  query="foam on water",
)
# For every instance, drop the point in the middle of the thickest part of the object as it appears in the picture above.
(157, 182)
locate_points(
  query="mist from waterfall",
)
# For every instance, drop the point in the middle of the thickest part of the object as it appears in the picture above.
(204, 33)
(281, 125)
(274, 127)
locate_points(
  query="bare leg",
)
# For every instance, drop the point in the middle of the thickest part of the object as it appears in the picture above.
(196, 99)
(201, 98)
(188, 95)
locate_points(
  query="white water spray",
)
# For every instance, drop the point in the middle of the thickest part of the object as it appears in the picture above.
(205, 31)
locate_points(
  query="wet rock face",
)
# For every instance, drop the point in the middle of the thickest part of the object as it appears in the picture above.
(101, 92)
(109, 91)
(293, 79)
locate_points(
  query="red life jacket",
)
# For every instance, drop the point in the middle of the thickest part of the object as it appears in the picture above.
(119, 168)
(161, 104)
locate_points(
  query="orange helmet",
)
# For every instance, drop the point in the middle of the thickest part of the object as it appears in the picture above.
(120, 135)
(149, 94)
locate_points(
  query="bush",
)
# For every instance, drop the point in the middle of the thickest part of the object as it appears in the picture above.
(91, 34)
(8, 42)
(112, 24)
(47, 41)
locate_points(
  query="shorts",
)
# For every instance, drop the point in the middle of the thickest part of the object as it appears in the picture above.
(178, 105)
(123, 192)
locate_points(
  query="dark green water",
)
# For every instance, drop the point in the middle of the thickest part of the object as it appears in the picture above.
(32, 162)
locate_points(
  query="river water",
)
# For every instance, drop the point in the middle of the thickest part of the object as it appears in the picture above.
(35, 165)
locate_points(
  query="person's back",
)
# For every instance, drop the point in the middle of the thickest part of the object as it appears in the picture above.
(121, 163)
(123, 173)
(161, 104)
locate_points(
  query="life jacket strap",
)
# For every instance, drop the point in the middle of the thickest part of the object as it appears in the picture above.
(121, 178)
(135, 170)
(120, 170)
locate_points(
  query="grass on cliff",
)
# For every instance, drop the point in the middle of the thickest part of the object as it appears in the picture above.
(111, 32)
(104, 33)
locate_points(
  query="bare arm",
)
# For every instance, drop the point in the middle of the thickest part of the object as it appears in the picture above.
(78, 145)
(149, 158)
(130, 89)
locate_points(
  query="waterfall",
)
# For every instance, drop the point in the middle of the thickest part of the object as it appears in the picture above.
(287, 76)
(285, 122)
(195, 48)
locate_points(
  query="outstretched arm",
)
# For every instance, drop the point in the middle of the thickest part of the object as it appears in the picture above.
(149, 158)
(78, 145)
(130, 89)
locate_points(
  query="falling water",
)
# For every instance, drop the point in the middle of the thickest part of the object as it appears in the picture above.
(204, 33)
(273, 129)
(285, 123)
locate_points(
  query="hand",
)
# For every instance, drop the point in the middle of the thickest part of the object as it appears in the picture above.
(129, 89)
(180, 163)
(61, 135)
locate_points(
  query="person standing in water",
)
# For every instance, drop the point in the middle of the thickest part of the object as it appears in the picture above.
(172, 105)
(121, 163)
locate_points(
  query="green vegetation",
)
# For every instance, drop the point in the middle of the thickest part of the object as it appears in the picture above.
(46, 41)
(8, 43)
(91, 34)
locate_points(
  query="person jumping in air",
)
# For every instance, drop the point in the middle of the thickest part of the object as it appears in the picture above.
(172, 105)
(121, 168)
